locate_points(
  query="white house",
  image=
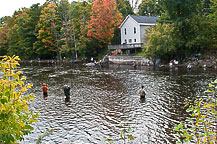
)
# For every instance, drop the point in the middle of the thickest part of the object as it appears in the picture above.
(133, 28)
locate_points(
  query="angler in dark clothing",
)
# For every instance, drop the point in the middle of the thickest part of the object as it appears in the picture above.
(142, 92)
(67, 91)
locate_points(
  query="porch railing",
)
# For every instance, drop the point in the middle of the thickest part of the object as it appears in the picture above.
(125, 46)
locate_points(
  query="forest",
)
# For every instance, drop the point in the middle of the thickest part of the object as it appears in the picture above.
(58, 29)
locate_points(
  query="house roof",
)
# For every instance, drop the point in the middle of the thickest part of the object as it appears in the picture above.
(144, 19)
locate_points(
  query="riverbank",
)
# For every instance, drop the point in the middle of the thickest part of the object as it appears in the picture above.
(207, 62)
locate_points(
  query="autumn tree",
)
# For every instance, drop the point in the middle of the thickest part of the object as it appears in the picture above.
(105, 18)
(3, 36)
(48, 32)
(15, 33)
(125, 9)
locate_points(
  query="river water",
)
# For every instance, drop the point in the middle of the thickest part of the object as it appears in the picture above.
(102, 99)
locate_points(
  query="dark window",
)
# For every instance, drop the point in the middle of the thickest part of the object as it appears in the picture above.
(130, 40)
(134, 30)
(134, 40)
(125, 31)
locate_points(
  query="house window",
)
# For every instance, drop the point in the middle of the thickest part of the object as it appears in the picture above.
(134, 30)
(125, 41)
(130, 40)
(125, 31)
(134, 40)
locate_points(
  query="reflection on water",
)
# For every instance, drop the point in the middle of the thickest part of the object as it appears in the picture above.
(103, 98)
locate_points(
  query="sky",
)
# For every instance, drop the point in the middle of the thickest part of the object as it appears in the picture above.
(7, 7)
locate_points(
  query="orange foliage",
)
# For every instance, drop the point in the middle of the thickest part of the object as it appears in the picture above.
(105, 18)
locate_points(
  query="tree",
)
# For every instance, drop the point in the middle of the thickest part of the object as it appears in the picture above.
(125, 9)
(15, 117)
(4, 36)
(81, 12)
(28, 32)
(150, 8)
(191, 29)
(63, 9)
(213, 20)
(162, 41)
(48, 32)
(105, 17)
(15, 33)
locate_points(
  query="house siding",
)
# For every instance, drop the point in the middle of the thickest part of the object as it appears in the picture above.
(129, 25)
(142, 33)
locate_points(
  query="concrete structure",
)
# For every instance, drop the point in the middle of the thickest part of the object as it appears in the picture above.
(130, 60)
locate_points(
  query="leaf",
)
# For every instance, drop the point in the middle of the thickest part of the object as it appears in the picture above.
(177, 135)
(130, 136)
(176, 129)
(189, 110)
(199, 103)
(122, 134)
(186, 141)
(210, 85)
(3, 100)
(129, 129)
(205, 139)
(189, 120)
(180, 125)
(208, 91)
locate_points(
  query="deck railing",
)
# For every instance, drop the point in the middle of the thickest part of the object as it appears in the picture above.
(125, 46)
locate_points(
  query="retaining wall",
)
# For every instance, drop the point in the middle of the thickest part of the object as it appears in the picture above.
(130, 60)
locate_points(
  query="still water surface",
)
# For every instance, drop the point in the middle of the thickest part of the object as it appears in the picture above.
(101, 99)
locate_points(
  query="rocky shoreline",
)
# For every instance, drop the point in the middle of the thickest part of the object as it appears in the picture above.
(209, 62)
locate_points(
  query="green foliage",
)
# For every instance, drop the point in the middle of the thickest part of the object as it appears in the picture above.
(184, 28)
(124, 8)
(179, 10)
(46, 133)
(15, 118)
(161, 42)
(81, 13)
(124, 135)
(201, 127)
(150, 8)
(179, 40)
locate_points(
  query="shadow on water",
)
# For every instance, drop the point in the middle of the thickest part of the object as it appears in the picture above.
(103, 98)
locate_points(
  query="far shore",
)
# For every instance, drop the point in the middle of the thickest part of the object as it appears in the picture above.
(209, 62)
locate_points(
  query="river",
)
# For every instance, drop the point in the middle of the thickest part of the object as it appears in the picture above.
(102, 99)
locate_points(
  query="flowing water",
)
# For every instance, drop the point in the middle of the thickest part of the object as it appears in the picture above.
(102, 99)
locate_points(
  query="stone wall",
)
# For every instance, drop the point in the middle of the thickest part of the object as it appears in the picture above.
(129, 60)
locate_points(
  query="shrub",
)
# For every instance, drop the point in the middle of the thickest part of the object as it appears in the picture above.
(15, 117)
(202, 126)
